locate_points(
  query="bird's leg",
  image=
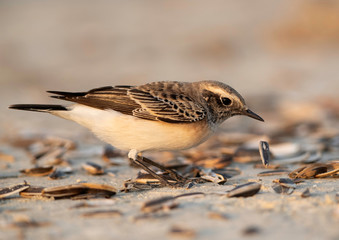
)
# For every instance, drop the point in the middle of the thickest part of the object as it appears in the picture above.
(172, 173)
(162, 180)
(138, 160)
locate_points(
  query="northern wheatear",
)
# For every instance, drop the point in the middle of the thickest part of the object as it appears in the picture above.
(154, 116)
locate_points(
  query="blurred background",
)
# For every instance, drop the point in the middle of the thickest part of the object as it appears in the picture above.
(282, 56)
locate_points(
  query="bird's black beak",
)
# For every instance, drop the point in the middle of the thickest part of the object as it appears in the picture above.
(251, 114)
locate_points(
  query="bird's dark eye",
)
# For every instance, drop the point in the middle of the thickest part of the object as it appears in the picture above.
(226, 101)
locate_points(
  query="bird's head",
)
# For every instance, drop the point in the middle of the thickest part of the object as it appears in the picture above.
(224, 102)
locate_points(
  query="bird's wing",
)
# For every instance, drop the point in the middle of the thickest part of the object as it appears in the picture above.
(115, 98)
(145, 103)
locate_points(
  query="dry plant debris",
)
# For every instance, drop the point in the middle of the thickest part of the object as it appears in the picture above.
(38, 171)
(215, 164)
(93, 168)
(179, 231)
(245, 190)
(273, 172)
(218, 216)
(251, 230)
(80, 191)
(264, 151)
(32, 192)
(317, 170)
(26, 222)
(103, 213)
(167, 202)
(9, 191)
(306, 193)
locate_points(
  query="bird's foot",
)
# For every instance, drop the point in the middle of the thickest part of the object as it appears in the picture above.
(176, 180)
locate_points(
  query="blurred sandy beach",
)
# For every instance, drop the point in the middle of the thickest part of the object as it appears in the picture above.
(282, 56)
(281, 49)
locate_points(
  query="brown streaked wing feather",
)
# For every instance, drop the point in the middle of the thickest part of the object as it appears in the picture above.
(174, 111)
(142, 103)
(115, 98)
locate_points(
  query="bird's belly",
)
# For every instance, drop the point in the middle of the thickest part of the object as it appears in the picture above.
(127, 132)
(132, 133)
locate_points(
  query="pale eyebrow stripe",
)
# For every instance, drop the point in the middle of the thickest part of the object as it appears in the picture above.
(217, 91)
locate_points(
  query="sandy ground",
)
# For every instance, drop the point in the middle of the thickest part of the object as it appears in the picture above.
(271, 215)
(282, 56)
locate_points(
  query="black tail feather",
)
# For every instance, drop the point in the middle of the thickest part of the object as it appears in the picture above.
(38, 107)
(68, 94)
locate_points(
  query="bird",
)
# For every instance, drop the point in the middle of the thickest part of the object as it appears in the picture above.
(161, 116)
